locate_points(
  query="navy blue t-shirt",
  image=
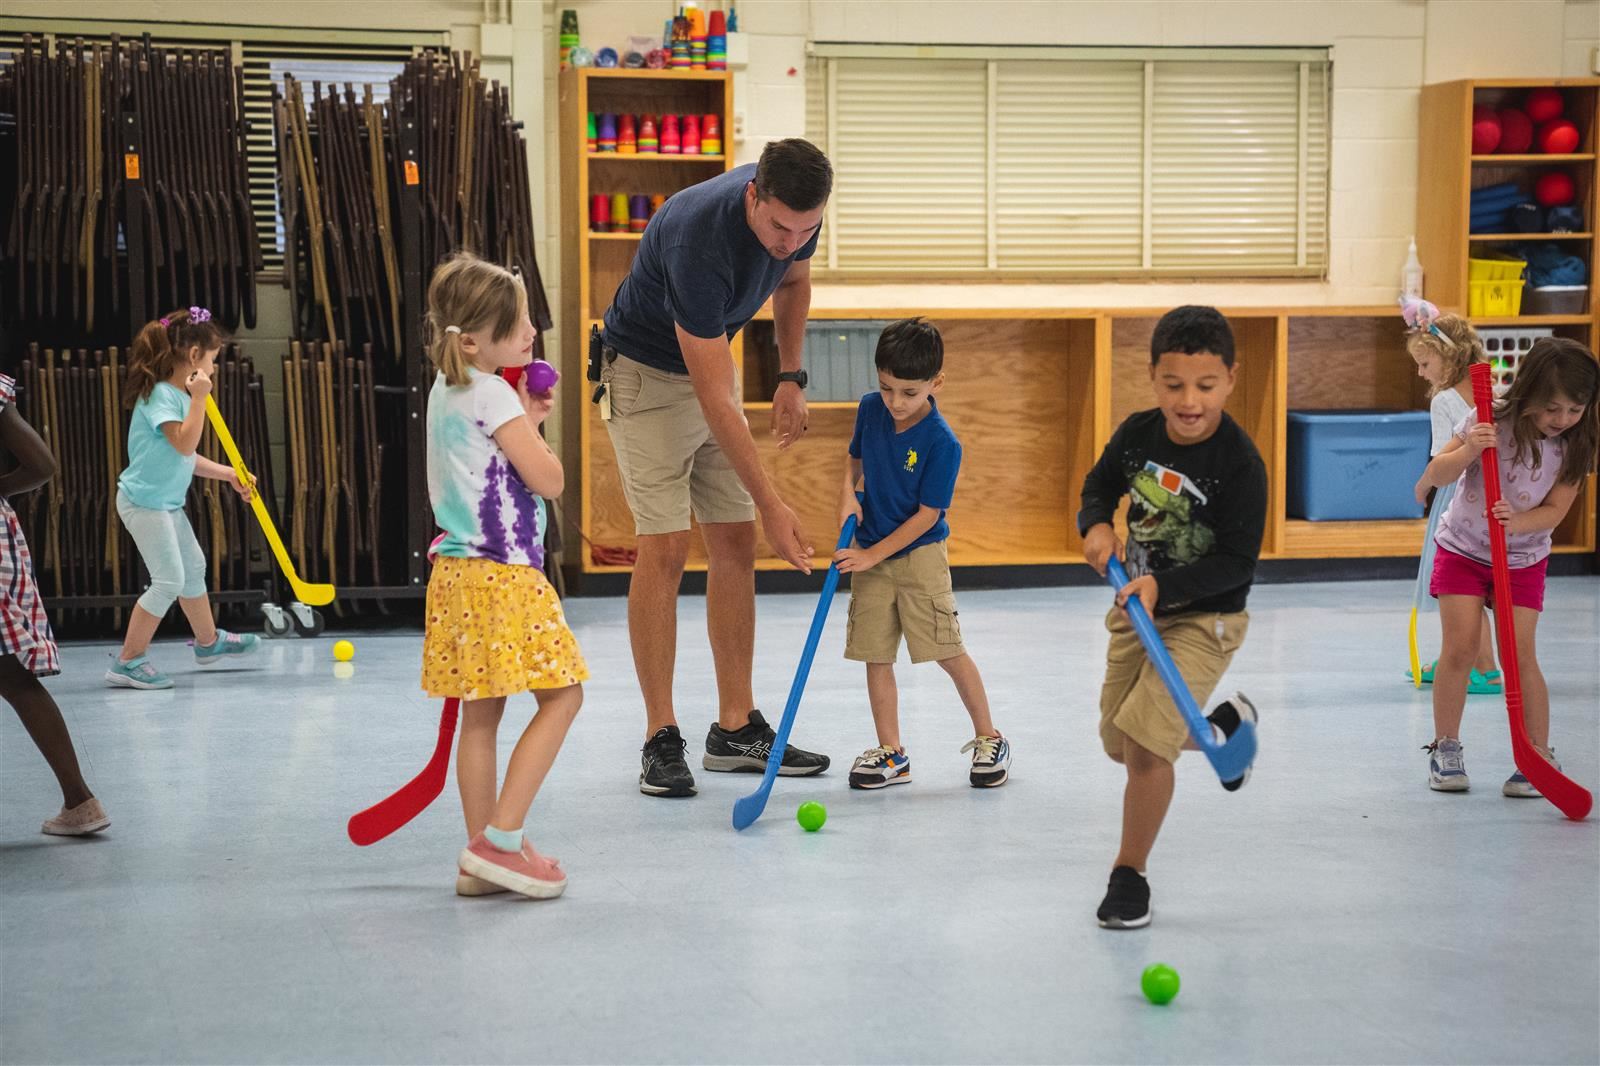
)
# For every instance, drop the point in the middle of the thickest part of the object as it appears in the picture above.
(903, 471)
(700, 267)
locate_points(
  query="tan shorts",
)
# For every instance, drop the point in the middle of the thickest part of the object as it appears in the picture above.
(911, 597)
(1135, 705)
(669, 461)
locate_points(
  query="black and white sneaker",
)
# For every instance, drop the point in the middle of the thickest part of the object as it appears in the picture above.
(1127, 902)
(880, 766)
(663, 771)
(745, 751)
(1226, 718)
(991, 761)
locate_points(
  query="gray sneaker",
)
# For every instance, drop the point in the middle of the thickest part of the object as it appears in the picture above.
(1446, 770)
(140, 673)
(1519, 787)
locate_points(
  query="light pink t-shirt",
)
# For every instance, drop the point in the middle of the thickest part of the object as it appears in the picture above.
(1464, 529)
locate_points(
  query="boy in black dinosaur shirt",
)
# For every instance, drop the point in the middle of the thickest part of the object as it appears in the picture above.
(1197, 506)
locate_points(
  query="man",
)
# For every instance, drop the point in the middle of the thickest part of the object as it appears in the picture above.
(709, 260)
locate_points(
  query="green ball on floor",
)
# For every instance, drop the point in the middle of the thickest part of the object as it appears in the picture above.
(1160, 983)
(811, 815)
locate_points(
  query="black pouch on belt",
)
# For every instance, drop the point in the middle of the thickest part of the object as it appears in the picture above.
(597, 360)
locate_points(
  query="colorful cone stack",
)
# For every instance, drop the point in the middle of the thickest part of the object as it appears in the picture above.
(569, 34)
(627, 139)
(680, 44)
(619, 213)
(649, 142)
(638, 213)
(608, 133)
(600, 213)
(670, 143)
(711, 132)
(717, 42)
(690, 138)
(697, 37)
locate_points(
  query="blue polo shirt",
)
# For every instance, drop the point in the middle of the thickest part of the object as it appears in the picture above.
(903, 471)
(699, 266)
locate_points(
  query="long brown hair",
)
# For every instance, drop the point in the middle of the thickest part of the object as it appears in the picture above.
(470, 294)
(1463, 350)
(162, 345)
(1555, 366)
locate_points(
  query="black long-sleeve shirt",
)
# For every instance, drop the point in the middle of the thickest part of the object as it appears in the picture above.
(1196, 511)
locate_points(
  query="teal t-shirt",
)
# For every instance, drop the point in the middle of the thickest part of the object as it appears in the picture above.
(157, 476)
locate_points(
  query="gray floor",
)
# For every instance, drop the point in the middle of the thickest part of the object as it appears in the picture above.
(1333, 911)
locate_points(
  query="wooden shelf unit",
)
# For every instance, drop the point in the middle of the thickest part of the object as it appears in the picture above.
(594, 264)
(1447, 172)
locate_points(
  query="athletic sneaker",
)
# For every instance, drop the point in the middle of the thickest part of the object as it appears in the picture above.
(1519, 787)
(663, 770)
(524, 871)
(1447, 772)
(745, 751)
(991, 761)
(880, 766)
(140, 673)
(226, 646)
(1127, 902)
(1225, 719)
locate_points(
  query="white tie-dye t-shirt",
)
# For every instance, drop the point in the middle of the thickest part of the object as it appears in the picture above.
(478, 497)
(1464, 528)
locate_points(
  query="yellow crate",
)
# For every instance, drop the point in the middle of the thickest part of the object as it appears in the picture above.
(1485, 298)
(1494, 269)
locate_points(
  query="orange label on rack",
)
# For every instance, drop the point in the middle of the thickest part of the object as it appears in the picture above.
(130, 166)
(412, 176)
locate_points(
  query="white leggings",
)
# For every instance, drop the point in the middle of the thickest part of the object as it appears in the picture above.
(170, 551)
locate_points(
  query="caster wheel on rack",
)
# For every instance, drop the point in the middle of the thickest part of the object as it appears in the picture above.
(308, 620)
(275, 621)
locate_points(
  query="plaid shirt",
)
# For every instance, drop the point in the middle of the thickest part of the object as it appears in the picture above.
(24, 628)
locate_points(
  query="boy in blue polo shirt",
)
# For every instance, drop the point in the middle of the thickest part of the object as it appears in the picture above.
(909, 457)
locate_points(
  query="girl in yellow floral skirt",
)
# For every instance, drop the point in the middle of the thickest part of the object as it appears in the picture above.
(494, 625)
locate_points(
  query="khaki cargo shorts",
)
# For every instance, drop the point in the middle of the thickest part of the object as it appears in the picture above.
(911, 597)
(1135, 704)
(670, 463)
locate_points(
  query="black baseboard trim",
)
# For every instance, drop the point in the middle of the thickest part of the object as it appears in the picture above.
(1268, 572)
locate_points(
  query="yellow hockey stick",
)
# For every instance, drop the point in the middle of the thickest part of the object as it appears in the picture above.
(312, 595)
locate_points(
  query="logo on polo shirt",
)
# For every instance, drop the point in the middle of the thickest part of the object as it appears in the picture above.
(911, 460)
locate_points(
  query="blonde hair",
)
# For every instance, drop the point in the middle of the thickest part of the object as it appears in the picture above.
(1464, 350)
(468, 294)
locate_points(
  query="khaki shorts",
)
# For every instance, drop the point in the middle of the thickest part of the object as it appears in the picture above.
(911, 597)
(669, 461)
(1135, 705)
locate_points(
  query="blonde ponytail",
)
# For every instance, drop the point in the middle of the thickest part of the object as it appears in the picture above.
(470, 294)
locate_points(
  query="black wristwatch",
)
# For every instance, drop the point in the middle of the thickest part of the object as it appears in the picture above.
(799, 377)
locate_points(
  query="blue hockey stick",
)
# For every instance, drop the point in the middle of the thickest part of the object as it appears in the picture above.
(748, 808)
(1230, 760)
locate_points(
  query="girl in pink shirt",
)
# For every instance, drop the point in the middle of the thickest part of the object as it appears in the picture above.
(1546, 430)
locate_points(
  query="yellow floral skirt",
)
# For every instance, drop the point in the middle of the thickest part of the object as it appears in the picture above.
(495, 629)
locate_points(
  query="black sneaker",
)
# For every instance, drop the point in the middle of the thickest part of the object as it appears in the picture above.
(1227, 716)
(663, 771)
(1127, 902)
(745, 751)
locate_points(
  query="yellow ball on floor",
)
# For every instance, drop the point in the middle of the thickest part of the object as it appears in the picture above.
(344, 651)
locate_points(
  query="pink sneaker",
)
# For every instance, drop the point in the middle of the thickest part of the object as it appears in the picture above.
(526, 872)
(87, 817)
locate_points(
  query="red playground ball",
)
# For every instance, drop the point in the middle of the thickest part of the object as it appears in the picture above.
(1542, 105)
(1485, 130)
(1159, 983)
(1554, 189)
(1558, 137)
(1516, 132)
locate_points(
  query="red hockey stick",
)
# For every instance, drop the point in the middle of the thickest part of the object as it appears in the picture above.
(387, 815)
(1570, 798)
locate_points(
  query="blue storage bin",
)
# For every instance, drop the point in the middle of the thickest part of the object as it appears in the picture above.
(1356, 464)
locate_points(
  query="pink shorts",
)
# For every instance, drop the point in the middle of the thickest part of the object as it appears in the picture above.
(1457, 575)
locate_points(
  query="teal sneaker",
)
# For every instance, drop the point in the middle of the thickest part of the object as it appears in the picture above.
(227, 645)
(140, 673)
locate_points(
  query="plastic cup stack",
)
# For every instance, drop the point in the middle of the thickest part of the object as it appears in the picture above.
(627, 138)
(619, 213)
(649, 142)
(717, 42)
(638, 213)
(608, 133)
(600, 212)
(711, 133)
